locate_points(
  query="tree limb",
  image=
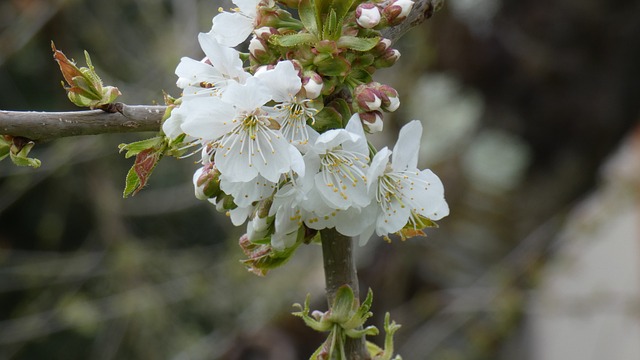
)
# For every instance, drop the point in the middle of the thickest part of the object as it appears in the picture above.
(39, 126)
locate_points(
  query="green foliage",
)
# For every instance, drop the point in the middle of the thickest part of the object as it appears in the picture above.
(345, 319)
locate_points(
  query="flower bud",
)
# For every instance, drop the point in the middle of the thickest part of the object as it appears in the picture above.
(367, 97)
(389, 58)
(257, 228)
(206, 181)
(390, 99)
(397, 11)
(372, 121)
(257, 47)
(367, 15)
(312, 84)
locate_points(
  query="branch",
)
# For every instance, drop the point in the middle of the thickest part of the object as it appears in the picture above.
(421, 11)
(339, 270)
(39, 126)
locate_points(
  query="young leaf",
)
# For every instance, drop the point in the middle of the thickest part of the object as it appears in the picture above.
(358, 43)
(308, 17)
(293, 40)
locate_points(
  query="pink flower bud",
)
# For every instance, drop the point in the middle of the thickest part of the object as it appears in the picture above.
(390, 99)
(372, 121)
(367, 15)
(257, 47)
(397, 11)
(312, 84)
(206, 181)
(389, 58)
(367, 97)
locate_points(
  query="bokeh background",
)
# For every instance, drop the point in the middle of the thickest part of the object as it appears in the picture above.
(529, 109)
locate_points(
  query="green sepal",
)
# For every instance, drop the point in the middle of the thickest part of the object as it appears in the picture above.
(263, 257)
(376, 352)
(358, 333)
(293, 40)
(358, 43)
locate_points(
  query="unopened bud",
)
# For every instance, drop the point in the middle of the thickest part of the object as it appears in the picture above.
(257, 228)
(390, 99)
(312, 84)
(397, 11)
(367, 97)
(367, 15)
(206, 181)
(389, 58)
(372, 121)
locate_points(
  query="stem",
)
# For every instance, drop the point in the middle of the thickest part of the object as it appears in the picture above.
(339, 270)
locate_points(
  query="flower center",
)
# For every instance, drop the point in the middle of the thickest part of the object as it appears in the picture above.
(341, 167)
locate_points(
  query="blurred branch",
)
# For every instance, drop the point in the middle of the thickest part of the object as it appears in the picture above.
(421, 11)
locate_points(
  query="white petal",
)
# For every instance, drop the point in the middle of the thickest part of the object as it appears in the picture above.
(377, 167)
(196, 72)
(172, 126)
(405, 153)
(230, 29)
(224, 59)
(240, 214)
(248, 7)
(208, 117)
(247, 97)
(283, 81)
(245, 193)
(354, 126)
(236, 166)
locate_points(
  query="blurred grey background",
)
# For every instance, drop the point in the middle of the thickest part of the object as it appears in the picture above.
(523, 103)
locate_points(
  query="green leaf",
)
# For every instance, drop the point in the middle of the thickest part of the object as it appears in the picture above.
(358, 43)
(132, 183)
(341, 107)
(293, 40)
(332, 66)
(342, 8)
(5, 147)
(308, 17)
(142, 168)
(328, 118)
(342, 305)
(331, 29)
(136, 147)
(322, 10)
(19, 155)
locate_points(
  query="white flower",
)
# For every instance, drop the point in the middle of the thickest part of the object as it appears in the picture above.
(246, 193)
(247, 140)
(212, 74)
(292, 113)
(230, 29)
(403, 193)
(341, 157)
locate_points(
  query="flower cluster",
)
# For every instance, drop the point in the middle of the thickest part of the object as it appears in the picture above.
(282, 129)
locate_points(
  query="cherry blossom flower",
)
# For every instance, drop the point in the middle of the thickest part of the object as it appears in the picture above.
(404, 195)
(232, 28)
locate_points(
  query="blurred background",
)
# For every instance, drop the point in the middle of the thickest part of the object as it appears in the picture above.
(529, 109)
